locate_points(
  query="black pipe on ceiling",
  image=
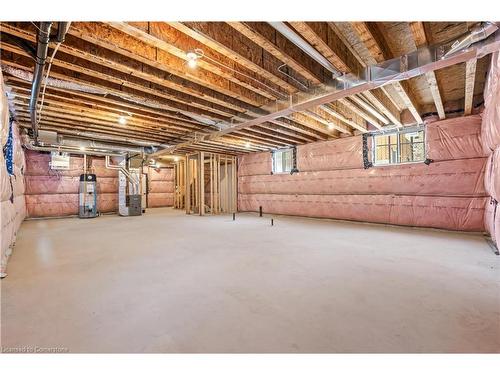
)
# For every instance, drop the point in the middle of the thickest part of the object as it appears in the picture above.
(42, 48)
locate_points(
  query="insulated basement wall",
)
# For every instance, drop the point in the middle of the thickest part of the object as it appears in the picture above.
(332, 183)
(490, 134)
(160, 187)
(12, 204)
(52, 193)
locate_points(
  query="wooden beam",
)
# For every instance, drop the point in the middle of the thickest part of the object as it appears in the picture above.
(320, 115)
(280, 47)
(436, 94)
(410, 102)
(321, 126)
(355, 109)
(159, 43)
(329, 44)
(366, 32)
(215, 35)
(108, 38)
(75, 47)
(373, 39)
(120, 88)
(332, 112)
(121, 107)
(470, 78)
(419, 36)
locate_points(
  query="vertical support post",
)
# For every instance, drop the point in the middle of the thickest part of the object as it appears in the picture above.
(218, 184)
(226, 182)
(202, 182)
(234, 190)
(211, 164)
(188, 185)
(195, 185)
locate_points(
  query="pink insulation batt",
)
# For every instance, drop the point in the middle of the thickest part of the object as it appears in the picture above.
(51, 193)
(490, 131)
(160, 187)
(490, 135)
(455, 138)
(332, 183)
(12, 188)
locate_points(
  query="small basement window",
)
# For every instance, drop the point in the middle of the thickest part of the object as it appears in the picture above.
(283, 161)
(399, 147)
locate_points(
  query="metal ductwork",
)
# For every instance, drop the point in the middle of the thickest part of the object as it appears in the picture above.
(42, 49)
(61, 31)
(414, 64)
(476, 34)
(52, 134)
(96, 145)
(70, 150)
(95, 141)
(51, 141)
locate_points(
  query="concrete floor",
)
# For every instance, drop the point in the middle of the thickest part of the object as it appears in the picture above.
(167, 282)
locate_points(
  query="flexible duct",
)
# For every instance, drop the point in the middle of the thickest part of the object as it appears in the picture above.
(42, 48)
(476, 34)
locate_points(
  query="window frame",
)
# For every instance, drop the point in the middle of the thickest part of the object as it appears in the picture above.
(281, 151)
(398, 134)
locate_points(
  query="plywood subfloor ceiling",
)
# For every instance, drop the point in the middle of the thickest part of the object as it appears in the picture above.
(139, 71)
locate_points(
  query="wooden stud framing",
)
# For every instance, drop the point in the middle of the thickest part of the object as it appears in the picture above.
(418, 31)
(470, 78)
(215, 172)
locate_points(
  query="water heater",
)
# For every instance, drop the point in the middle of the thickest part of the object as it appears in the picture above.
(88, 196)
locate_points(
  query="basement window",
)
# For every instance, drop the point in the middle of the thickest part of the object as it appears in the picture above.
(283, 161)
(399, 147)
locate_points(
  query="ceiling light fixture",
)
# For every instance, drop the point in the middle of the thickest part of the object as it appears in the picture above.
(330, 126)
(122, 120)
(176, 158)
(247, 145)
(193, 56)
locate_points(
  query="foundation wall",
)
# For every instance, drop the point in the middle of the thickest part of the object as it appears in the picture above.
(332, 182)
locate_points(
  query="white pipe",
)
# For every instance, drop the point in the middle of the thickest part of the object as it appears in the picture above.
(293, 37)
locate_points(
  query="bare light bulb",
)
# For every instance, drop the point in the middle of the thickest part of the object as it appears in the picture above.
(247, 145)
(192, 63)
(122, 120)
(330, 126)
(176, 158)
